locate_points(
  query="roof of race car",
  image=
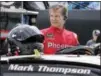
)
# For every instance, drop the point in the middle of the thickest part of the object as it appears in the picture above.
(68, 58)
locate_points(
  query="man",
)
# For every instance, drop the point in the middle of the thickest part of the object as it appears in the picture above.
(95, 35)
(56, 36)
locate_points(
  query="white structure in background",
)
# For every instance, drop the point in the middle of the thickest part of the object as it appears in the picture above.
(94, 6)
(59, 2)
(40, 5)
(64, 3)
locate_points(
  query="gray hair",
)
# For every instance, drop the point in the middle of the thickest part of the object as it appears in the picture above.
(96, 32)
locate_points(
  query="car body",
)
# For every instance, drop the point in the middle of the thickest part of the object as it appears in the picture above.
(51, 65)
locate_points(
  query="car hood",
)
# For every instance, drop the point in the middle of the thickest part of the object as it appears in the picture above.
(66, 58)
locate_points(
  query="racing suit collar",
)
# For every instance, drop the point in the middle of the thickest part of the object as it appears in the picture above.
(57, 29)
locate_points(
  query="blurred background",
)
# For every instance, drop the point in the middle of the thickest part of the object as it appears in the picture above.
(83, 16)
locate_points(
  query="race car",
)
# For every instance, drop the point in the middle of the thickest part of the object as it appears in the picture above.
(29, 61)
(75, 61)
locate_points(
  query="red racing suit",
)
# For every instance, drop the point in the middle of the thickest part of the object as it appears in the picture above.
(56, 39)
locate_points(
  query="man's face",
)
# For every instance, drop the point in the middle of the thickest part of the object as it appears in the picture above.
(56, 18)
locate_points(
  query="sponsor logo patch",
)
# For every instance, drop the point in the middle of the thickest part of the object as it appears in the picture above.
(50, 35)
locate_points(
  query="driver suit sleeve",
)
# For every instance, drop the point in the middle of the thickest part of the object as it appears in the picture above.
(76, 39)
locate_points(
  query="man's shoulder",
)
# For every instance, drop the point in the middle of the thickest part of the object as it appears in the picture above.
(71, 34)
(90, 41)
(68, 32)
